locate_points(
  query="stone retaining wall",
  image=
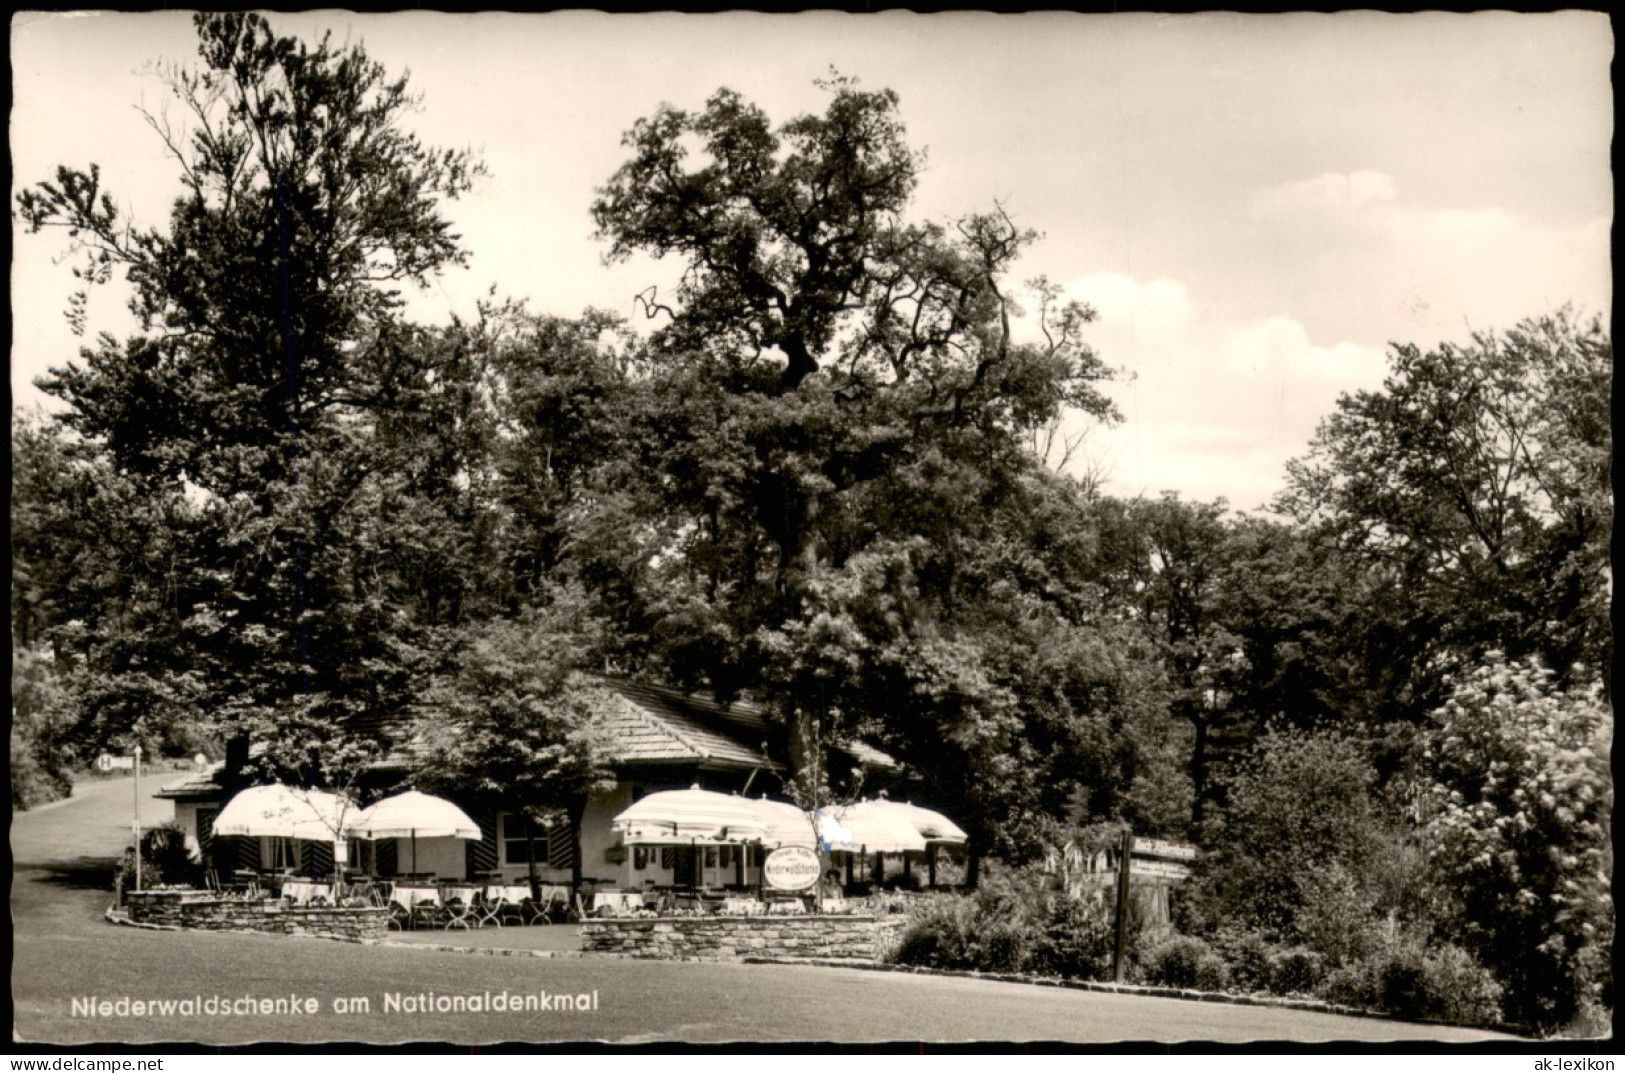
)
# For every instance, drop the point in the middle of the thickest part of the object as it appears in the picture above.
(206, 910)
(863, 938)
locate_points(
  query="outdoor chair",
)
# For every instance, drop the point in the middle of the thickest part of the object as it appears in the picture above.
(457, 907)
(427, 910)
(488, 906)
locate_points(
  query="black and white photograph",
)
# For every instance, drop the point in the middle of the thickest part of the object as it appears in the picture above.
(830, 530)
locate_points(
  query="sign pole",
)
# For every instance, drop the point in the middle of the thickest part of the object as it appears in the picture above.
(135, 817)
(1124, 854)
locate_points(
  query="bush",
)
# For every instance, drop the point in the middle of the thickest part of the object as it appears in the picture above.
(1296, 971)
(1176, 963)
(1442, 983)
(1077, 943)
(1212, 974)
(938, 936)
(1336, 917)
(1018, 922)
(1249, 957)
(36, 775)
(165, 860)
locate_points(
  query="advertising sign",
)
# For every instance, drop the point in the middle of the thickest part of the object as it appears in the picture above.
(790, 868)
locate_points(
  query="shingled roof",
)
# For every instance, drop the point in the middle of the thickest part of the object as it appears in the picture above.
(654, 725)
(688, 727)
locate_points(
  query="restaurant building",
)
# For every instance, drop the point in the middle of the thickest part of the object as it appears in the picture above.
(657, 739)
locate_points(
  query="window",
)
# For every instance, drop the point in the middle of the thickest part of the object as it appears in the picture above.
(515, 848)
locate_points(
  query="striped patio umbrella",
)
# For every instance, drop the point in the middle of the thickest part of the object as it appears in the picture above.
(862, 827)
(682, 817)
(785, 824)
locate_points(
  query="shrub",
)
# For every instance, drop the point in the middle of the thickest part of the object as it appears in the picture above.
(1018, 922)
(1001, 945)
(165, 860)
(37, 776)
(1249, 957)
(1212, 974)
(1175, 963)
(938, 936)
(1406, 980)
(1298, 804)
(1296, 971)
(1465, 990)
(1520, 834)
(1077, 942)
(1336, 918)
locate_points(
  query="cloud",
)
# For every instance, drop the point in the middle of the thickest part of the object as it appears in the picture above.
(1346, 196)
(1432, 271)
(1137, 321)
(1215, 408)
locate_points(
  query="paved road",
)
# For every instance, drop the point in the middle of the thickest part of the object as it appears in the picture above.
(64, 950)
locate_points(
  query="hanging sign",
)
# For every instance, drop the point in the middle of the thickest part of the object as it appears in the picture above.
(790, 868)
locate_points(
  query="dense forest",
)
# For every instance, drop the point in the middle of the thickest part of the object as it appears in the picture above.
(285, 509)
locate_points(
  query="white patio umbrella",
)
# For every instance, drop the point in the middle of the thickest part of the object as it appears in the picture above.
(863, 827)
(413, 813)
(933, 826)
(784, 824)
(693, 815)
(278, 811)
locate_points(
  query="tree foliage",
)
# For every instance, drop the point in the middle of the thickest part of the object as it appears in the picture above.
(837, 405)
(297, 454)
(512, 723)
(1475, 486)
(1521, 834)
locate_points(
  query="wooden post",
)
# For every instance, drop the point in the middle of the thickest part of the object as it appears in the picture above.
(530, 859)
(1124, 853)
(136, 817)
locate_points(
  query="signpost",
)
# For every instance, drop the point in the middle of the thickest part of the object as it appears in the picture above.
(136, 815)
(1124, 853)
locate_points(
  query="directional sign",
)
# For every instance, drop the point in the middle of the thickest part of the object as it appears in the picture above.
(1156, 847)
(1160, 869)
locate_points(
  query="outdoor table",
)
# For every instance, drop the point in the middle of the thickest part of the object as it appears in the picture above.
(303, 891)
(457, 902)
(406, 898)
(617, 902)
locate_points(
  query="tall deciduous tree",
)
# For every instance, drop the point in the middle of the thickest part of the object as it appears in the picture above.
(306, 440)
(834, 382)
(1475, 487)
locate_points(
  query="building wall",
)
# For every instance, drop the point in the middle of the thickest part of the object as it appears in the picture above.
(186, 819)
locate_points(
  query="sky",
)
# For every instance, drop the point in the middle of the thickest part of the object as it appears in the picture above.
(1256, 206)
